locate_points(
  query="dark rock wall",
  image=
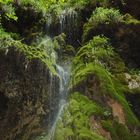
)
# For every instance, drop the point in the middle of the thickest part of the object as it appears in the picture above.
(24, 96)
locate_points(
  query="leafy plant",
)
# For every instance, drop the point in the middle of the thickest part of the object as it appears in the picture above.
(128, 19)
(102, 16)
(44, 6)
(97, 51)
(83, 3)
(95, 59)
(74, 123)
(31, 52)
(8, 9)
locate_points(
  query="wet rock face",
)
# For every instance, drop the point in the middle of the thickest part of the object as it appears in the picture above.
(125, 40)
(24, 96)
(3, 104)
(134, 100)
(132, 7)
(28, 24)
(127, 6)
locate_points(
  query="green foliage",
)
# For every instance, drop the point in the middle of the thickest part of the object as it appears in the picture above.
(105, 16)
(44, 6)
(102, 16)
(95, 59)
(128, 19)
(49, 6)
(84, 3)
(8, 9)
(5, 1)
(98, 52)
(57, 5)
(60, 46)
(75, 120)
(31, 52)
(119, 131)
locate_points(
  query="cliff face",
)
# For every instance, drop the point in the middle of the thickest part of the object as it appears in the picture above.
(103, 100)
(97, 107)
(24, 96)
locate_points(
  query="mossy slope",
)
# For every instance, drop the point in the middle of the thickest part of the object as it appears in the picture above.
(90, 113)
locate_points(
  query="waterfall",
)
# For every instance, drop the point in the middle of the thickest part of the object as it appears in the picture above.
(63, 72)
(48, 24)
(66, 22)
(64, 76)
(67, 18)
(69, 24)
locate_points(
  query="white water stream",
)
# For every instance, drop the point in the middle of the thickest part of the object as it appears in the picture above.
(64, 74)
(69, 24)
(68, 19)
(63, 82)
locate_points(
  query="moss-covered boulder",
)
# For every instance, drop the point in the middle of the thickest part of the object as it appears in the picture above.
(25, 86)
(123, 30)
(77, 120)
(97, 107)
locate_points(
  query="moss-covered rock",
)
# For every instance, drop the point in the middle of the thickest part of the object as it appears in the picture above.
(102, 87)
(75, 122)
(93, 74)
(26, 73)
(123, 31)
(31, 52)
(24, 96)
(84, 119)
(64, 51)
(98, 52)
(119, 131)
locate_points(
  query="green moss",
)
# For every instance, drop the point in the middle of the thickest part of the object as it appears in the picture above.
(108, 86)
(101, 16)
(43, 6)
(95, 59)
(128, 19)
(8, 10)
(31, 52)
(51, 6)
(59, 41)
(75, 120)
(119, 131)
(105, 16)
(81, 4)
(96, 54)
(65, 52)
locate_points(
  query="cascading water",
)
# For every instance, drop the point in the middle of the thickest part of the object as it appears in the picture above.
(63, 73)
(65, 16)
(57, 89)
(69, 24)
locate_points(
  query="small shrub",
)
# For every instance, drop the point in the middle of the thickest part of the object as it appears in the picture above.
(128, 19)
(7, 9)
(102, 16)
